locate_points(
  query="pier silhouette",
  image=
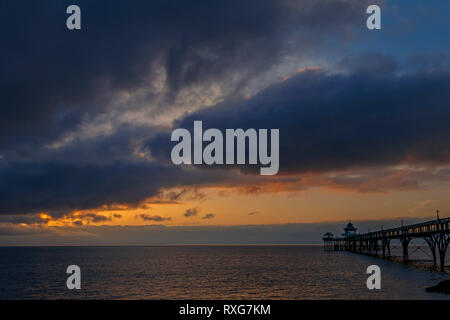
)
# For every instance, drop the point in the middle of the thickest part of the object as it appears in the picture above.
(436, 233)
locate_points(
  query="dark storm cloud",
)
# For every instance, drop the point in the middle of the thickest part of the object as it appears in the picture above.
(93, 217)
(330, 122)
(209, 216)
(59, 188)
(327, 122)
(18, 219)
(147, 217)
(123, 145)
(368, 62)
(53, 81)
(191, 212)
(173, 197)
(53, 78)
(47, 187)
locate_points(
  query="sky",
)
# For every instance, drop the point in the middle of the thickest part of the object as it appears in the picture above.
(86, 118)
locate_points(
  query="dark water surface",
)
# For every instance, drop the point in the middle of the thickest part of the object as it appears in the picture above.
(206, 272)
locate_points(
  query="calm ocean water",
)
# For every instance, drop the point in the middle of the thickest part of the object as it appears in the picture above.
(206, 272)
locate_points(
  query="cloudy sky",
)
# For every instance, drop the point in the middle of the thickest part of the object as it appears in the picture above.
(86, 118)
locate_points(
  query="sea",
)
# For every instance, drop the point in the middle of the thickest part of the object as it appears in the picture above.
(207, 272)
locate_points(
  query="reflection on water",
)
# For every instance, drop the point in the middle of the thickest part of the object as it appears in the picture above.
(206, 272)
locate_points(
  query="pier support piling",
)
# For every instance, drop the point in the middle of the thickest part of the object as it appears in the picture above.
(442, 245)
(385, 244)
(405, 242)
(432, 242)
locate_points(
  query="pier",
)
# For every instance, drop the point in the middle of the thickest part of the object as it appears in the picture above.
(436, 233)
